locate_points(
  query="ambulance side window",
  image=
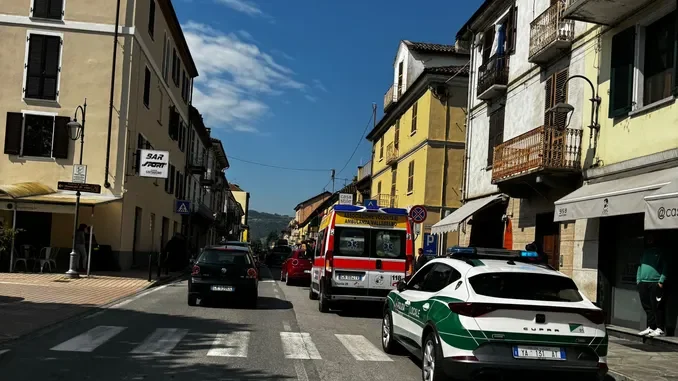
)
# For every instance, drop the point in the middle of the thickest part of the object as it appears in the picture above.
(320, 244)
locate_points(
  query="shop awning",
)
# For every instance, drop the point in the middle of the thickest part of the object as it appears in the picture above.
(661, 208)
(613, 197)
(58, 202)
(26, 189)
(451, 222)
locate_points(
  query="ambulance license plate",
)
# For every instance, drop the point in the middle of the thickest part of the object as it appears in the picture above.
(350, 277)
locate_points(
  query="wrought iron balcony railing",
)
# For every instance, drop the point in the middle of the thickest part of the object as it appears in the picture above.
(550, 34)
(391, 153)
(493, 77)
(387, 200)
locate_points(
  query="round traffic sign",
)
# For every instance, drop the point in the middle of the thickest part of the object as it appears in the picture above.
(418, 214)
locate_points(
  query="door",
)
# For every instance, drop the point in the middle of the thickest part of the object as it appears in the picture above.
(137, 233)
(165, 232)
(387, 251)
(351, 258)
(547, 238)
(318, 260)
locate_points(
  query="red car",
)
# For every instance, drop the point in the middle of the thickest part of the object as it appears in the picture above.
(297, 267)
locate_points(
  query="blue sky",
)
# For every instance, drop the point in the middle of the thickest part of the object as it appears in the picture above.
(291, 83)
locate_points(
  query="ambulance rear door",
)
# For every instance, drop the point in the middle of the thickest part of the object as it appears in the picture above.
(387, 256)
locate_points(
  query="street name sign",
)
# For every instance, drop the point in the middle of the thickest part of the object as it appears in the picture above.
(153, 163)
(79, 187)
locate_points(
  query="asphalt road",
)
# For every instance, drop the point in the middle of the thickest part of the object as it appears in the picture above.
(157, 336)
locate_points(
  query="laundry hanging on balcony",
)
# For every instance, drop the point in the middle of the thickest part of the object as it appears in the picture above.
(498, 46)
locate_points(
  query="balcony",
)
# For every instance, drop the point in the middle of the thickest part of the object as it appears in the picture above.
(196, 165)
(387, 200)
(391, 154)
(365, 170)
(207, 179)
(550, 34)
(544, 157)
(493, 78)
(390, 98)
(604, 12)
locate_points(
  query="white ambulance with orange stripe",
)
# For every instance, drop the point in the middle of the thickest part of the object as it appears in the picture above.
(361, 254)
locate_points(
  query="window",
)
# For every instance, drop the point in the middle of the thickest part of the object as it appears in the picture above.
(175, 66)
(381, 148)
(178, 75)
(170, 180)
(415, 108)
(166, 58)
(185, 86)
(37, 135)
(182, 136)
(351, 242)
(379, 188)
(410, 177)
(48, 9)
(659, 59)
(396, 139)
(225, 257)
(151, 19)
(621, 72)
(42, 67)
(555, 92)
(438, 278)
(417, 281)
(142, 143)
(512, 30)
(526, 286)
(394, 176)
(147, 88)
(173, 125)
(496, 133)
(400, 79)
(179, 187)
(389, 244)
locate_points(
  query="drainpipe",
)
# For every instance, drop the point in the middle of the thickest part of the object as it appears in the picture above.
(464, 184)
(107, 184)
(443, 192)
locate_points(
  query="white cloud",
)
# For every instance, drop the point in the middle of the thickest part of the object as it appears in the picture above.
(319, 85)
(244, 6)
(235, 76)
(282, 54)
(311, 98)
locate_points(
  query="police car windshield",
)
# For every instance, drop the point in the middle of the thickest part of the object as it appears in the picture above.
(526, 286)
(225, 257)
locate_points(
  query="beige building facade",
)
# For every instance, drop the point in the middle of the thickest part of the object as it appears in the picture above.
(59, 53)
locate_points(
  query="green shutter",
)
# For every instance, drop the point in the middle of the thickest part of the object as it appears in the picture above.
(621, 72)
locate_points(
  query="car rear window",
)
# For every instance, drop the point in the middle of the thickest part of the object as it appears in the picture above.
(225, 257)
(304, 254)
(389, 244)
(526, 286)
(282, 250)
(351, 242)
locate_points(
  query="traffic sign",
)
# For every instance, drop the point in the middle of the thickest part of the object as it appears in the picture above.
(79, 174)
(371, 204)
(345, 198)
(79, 187)
(430, 244)
(182, 207)
(418, 214)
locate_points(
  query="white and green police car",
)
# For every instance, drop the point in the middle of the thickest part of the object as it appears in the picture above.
(481, 312)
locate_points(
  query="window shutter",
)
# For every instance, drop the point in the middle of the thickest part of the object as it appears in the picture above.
(511, 30)
(34, 66)
(147, 87)
(56, 8)
(173, 123)
(151, 18)
(41, 8)
(13, 133)
(167, 183)
(621, 72)
(171, 179)
(51, 68)
(496, 134)
(61, 138)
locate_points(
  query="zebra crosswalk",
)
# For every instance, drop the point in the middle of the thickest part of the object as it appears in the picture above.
(236, 344)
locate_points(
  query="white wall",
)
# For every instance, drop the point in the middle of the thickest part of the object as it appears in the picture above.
(524, 102)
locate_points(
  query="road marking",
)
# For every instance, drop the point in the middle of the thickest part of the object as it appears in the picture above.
(90, 340)
(286, 326)
(130, 300)
(301, 371)
(3, 351)
(361, 348)
(162, 341)
(298, 345)
(233, 344)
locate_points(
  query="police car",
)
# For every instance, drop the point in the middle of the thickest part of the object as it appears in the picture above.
(483, 312)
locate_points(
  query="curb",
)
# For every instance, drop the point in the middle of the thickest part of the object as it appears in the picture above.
(82, 315)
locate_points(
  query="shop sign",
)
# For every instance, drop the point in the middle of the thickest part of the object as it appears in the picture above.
(153, 163)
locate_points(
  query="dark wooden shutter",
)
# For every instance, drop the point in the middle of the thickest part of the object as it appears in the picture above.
(496, 134)
(488, 39)
(151, 18)
(621, 72)
(173, 124)
(555, 92)
(171, 176)
(56, 9)
(167, 184)
(41, 8)
(511, 30)
(147, 87)
(13, 133)
(34, 66)
(61, 138)
(51, 69)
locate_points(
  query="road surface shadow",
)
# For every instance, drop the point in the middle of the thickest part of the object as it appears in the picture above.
(264, 303)
(115, 360)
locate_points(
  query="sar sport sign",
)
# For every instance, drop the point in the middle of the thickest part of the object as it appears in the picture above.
(153, 163)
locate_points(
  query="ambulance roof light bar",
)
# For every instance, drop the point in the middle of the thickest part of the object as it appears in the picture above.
(470, 253)
(360, 209)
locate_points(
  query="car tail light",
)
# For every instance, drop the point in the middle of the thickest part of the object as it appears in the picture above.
(295, 262)
(328, 261)
(472, 309)
(603, 367)
(196, 270)
(251, 273)
(465, 358)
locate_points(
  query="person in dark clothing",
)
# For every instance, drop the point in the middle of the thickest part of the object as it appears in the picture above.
(175, 252)
(650, 278)
(81, 246)
(422, 259)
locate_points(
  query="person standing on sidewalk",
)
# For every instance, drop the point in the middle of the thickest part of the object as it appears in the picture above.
(650, 278)
(81, 246)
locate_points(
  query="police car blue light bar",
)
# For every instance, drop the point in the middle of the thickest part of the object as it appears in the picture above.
(488, 253)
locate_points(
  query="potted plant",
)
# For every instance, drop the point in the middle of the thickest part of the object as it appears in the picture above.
(7, 236)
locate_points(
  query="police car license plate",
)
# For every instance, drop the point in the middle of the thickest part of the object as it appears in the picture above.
(350, 277)
(539, 353)
(223, 288)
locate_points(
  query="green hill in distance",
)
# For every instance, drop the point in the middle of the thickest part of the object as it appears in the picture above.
(262, 223)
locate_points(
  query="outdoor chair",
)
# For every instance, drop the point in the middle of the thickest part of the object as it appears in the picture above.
(20, 258)
(47, 257)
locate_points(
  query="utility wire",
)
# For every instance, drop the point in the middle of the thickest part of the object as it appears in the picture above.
(362, 137)
(279, 167)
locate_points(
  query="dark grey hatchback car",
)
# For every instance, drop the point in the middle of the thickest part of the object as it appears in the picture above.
(224, 272)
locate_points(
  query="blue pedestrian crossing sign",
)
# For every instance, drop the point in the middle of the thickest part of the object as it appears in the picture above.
(371, 204)
(430, 244)
(182, 207)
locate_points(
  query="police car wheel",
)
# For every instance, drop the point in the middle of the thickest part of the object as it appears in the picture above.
(387, 342)
(431, 356)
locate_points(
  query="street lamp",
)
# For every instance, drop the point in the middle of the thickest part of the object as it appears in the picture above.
(566, 108)
(76, 131)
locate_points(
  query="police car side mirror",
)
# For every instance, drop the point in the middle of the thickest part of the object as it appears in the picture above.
(402, 286)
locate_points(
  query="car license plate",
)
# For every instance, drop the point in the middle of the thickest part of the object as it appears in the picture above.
(223, 288)
(307, 271)
(539, 353)
(350, 277)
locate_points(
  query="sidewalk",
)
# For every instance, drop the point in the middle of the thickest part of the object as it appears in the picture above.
(633, 361)
(30, 302)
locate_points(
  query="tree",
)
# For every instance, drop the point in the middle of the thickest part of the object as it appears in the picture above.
(272, 237)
